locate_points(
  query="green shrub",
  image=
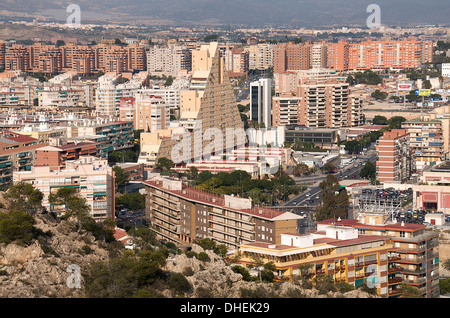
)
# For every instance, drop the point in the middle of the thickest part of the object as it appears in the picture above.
(204, 293)
(243, 271)
(344, 287)
(202, 256)
(86, 249)
(178, 283)
(190, 254)
(188, 271)
(16, 227)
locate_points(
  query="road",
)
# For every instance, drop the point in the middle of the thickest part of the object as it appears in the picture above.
(310, 198)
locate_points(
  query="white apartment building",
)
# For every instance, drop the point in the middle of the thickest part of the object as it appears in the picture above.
(171, 94)
(319, 56)
(151, 113)
(446, 69)
(261, 102)
(260, 56)
(91, 176)
(168, 60)
(109, 92)
(65, 97)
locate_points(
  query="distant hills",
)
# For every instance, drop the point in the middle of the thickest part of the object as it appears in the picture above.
(306, 13)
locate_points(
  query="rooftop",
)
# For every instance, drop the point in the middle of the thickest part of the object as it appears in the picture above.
(408, 227)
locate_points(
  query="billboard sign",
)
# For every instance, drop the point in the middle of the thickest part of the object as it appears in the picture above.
(404, 86)
(423, 92)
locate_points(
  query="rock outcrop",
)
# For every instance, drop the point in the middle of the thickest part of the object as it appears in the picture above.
(49, 266)
(218, 280)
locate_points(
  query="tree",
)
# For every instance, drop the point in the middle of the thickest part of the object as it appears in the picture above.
(143, 237)
(169, 81)
(379, 120)
(193, 173)
(335, 201)
(122, 156)
(164, 164)
(444, 286)
(396, 122)
(122, 177)
(179, 283)
(246, 276)
(377, 94)
(16, 226)
(60, 43)
(123, 276)
(22, 196)
(132, 201)
(327, 167)
(427, 84)
(410, 291)
(211, 38)
(368, 171)
(74, 205)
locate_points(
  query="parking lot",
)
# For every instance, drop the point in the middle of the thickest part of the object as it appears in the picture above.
(385, 196)
(399, 201)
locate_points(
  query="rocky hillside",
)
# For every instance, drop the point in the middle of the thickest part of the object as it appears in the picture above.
(214, 279)
(41, 269)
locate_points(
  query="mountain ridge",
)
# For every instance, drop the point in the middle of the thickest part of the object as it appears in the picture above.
(307, 13)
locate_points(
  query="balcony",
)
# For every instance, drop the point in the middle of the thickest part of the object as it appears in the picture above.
(395, 280)
(394, 269)
(394, 292)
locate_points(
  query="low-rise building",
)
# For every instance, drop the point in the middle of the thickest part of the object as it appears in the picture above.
(415, 253)
(17, 153)
(57, 155)
(338, 251)
(181, 214)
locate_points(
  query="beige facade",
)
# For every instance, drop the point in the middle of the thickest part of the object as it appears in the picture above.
(260, 56)
(181, 215)
(92, 176)
(208, 104)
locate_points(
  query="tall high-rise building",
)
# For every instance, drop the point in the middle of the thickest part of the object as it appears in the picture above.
(261, 102)
(169, 60)
(109, 93)
(92, 176)
(428, 139)
(394, 156)
(2, 53)
(209, 105)
(319, 55)
(236, 60)
(324, 103)
(290, 56)
(150, 113)
(260, 56)
(285, 110)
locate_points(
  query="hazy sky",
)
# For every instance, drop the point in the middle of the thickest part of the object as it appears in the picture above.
(287, 12)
